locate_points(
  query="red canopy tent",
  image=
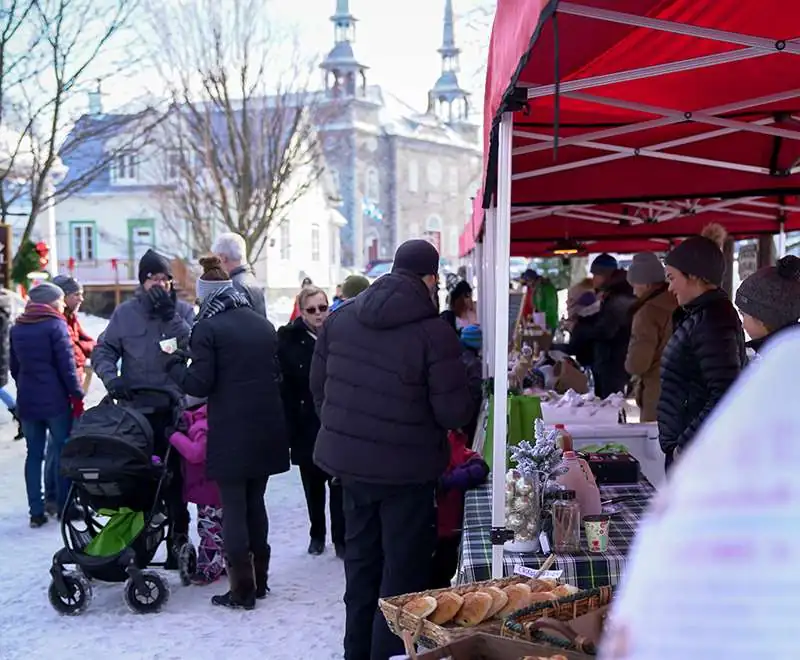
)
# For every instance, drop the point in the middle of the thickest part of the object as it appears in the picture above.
(630, 120)
(645, 118)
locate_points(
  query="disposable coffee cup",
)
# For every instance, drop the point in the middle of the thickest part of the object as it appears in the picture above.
(596, 528)
(169, 345)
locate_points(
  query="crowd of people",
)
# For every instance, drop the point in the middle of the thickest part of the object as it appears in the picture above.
(374, 399)
(671, 329)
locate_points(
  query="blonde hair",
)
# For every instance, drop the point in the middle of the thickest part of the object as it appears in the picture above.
(309, 292)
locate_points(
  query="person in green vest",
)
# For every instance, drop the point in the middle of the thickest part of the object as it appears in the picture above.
(540, 296)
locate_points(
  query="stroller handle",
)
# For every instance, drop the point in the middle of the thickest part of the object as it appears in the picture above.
(174, 397)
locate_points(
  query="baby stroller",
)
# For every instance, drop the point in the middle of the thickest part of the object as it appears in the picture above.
(109, 459)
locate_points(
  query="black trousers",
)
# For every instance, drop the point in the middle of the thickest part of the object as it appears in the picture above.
(173, 494)
(445, 562)
(244, 519)
(314, 482)
(390, 536)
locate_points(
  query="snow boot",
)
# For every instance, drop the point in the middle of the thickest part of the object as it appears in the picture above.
(174, 545)
(38, 521)
(51, 508)
(242, 593)
(261, 573)
(316, 547)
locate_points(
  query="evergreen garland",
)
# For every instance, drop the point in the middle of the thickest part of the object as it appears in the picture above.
(26, 261)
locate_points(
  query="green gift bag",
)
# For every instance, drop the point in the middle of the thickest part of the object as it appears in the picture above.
(522, 412)
(121, 529)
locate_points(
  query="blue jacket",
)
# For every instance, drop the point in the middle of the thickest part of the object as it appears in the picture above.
(43, 366)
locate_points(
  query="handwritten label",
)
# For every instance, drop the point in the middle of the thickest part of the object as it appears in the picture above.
(531, 572)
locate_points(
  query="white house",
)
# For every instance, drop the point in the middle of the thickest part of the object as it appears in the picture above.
(105, 227)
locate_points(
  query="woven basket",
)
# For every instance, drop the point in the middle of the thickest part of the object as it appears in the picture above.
(521, 624)
(430, 635)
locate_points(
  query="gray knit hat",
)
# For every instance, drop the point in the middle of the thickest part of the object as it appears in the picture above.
(772, 294)
(45, 293)
(701, 257)
(646, 268)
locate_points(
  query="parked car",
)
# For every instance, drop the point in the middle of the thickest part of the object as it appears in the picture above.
(378, 269)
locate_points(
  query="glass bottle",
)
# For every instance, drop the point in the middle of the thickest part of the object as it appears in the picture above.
(566, 523)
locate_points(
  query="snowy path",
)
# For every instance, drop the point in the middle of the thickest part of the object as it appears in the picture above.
(303, 617)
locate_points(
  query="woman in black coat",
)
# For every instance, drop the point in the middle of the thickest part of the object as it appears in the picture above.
(295, 349)
(234, 364)
(706, 352)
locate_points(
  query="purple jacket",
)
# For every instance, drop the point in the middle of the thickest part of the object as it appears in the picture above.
(197, 488)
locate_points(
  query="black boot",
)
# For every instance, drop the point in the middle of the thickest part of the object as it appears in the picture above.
(261, 573)
(242, 593)
(316, 547)
(174, 546)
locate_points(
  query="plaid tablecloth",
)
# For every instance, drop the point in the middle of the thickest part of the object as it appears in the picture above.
(585, 570)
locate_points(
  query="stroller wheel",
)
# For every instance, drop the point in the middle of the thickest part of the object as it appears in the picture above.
(151, 599)
(77, 598)
(187, 563)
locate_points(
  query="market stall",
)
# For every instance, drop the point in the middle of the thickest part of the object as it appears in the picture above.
(632, 119)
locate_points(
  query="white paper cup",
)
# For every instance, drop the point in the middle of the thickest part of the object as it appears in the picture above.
(169, 345)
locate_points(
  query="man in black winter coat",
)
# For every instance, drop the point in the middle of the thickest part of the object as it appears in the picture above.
(388, 380)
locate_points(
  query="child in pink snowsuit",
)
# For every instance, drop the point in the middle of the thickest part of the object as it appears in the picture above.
(191, 444)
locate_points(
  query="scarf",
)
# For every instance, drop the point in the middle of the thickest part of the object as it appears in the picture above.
(36, 312)
(220, 301)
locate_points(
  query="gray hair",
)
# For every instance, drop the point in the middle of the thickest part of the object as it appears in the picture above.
(230, 246)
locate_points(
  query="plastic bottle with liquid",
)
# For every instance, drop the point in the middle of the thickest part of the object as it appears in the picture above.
(578, 477)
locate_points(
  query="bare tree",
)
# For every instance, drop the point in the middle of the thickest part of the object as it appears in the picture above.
(238, 144)
(52, 53)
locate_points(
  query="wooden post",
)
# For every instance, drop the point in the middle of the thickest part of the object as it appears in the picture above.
(766, 251)
(727, 281)
(117, 288)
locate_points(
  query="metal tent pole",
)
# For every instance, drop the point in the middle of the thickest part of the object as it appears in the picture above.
(501, 228)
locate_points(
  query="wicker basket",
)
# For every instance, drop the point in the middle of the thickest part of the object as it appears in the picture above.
(522, 623)
(412, 628)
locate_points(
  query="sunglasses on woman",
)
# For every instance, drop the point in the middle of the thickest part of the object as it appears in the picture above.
(313, 310)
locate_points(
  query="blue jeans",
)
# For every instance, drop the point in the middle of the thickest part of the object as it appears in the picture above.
(36, 438)
(7, 399)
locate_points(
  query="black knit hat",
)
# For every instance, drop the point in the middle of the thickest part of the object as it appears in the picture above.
(67, 284)
(701, 257)
(152, 263)
(417, 256)
(772, 294)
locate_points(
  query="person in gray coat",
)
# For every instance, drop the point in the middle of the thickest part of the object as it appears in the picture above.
(232, 252)
(132, 341)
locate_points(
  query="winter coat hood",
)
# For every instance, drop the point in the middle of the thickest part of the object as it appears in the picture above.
(395, 300)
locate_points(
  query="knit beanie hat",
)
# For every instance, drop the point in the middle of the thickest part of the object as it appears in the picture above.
(45, 293)
(67, 284)
(646, 268)
(772, 294)
(152, 263)
(603, 264)
(416, 256)
(353, 285)
(213, 279)
(472, 337)
(701, 256)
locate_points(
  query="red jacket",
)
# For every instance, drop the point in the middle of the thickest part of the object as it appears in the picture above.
(82, 344)
(466, 470)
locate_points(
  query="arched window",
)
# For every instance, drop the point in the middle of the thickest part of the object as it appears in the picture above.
(433, 223)
(372, 185)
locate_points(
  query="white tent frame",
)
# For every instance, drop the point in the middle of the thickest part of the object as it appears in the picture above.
(500, 216)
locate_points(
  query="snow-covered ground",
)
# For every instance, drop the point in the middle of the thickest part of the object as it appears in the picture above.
(303, 617)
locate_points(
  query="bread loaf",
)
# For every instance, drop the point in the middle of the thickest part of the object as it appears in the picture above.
(447, 605)
(499, 600)
(422, 607)
(474, 610)
(518, 596)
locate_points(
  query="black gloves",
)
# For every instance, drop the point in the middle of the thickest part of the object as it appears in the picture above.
(171, 360)
(163, 302)
(118, 389)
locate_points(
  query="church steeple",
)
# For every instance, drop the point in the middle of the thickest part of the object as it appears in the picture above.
(447, 99)
(344, 75)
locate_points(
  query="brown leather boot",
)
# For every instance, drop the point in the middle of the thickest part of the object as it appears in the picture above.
(261, 572)
(242, 593)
